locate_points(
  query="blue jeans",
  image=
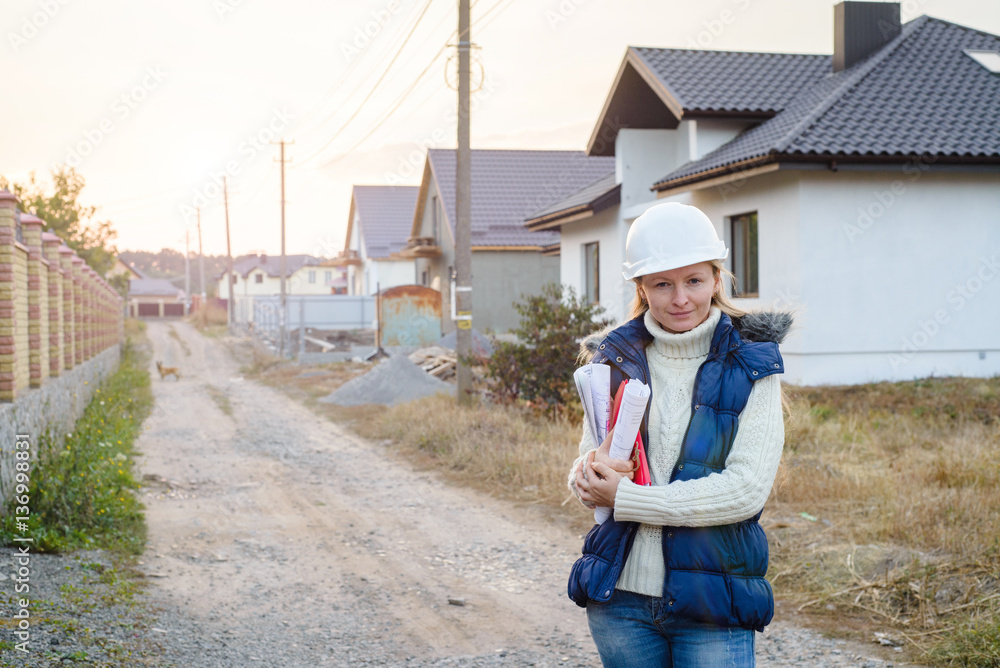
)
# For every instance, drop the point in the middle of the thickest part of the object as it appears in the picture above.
(635, 631)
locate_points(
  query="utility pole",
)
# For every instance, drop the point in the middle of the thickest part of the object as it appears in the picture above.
(283, 316)
(229, 255)
(463, 213)
(201, 267)
(187, 272)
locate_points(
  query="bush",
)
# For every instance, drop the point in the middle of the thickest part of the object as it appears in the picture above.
(539, 368)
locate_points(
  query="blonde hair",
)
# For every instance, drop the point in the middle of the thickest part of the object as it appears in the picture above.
(639, 305)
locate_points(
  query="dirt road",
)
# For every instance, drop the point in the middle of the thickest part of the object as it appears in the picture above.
(276, 538)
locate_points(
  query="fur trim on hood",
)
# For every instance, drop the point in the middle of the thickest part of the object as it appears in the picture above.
(754, 326)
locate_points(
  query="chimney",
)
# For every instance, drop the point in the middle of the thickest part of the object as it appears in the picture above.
(860, 29)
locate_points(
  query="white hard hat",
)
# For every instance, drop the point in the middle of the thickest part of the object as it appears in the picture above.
(668, 236)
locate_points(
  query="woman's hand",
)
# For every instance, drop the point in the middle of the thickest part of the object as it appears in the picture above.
(598, 475)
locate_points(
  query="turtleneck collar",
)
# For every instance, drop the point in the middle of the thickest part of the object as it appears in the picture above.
(691, 344)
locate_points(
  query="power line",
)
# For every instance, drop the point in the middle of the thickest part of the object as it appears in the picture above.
(399, 100)
(374, 87)
(387, 114)
(483, 17)
(343, 78)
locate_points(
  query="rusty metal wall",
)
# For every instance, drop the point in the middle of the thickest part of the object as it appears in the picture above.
(410, 315)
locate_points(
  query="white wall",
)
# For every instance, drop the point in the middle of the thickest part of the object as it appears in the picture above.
(890, 274)
(355, 273)
(606, 229)
(902, 270)
(643, 157)
(713, 133)
(389, 273)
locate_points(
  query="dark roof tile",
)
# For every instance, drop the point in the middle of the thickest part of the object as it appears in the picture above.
(386, 217)
(510, 185)
(733, 80)
(919, 95)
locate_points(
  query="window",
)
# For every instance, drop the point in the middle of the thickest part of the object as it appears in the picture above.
(743, 238)
(258, 278)
(327, 276)
(591, 273)
(424, 278)
(312, 276)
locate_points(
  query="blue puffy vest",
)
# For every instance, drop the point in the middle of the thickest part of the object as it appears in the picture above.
(713, 574)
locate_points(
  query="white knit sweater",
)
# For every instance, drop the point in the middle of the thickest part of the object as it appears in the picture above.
(733, 495)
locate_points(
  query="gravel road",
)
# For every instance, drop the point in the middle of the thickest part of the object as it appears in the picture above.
(277, 538)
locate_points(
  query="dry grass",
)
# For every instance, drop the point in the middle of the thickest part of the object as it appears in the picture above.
(209, 317)
(888, 511)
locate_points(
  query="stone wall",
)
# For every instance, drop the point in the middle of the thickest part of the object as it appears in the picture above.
(54, 407)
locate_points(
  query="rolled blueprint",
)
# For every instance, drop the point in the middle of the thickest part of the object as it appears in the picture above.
(600, 391)
(633, 407)
(582, 379)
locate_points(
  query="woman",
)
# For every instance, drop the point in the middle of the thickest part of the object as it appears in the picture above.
(676, 578)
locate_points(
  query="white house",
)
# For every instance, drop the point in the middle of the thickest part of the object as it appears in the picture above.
(861, 191)
(377, 230)
(508, 261)
(260, 275)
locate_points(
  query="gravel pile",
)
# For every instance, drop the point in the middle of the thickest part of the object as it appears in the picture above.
(393, 381)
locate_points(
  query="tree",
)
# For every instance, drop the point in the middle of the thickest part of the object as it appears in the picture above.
(66, 217)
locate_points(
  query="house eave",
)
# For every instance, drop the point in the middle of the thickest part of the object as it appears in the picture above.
(571, 214)
(515, 249)
(560, 218)
(831, 161)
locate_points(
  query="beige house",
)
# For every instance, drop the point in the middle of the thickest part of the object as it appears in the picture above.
(260, 276)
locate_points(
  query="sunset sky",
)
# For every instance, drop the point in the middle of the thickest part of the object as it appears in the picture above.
(155, 101)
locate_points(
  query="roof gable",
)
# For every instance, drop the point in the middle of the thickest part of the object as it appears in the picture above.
(510, 185)
(385, 214)
(920, 95)
(657, 88)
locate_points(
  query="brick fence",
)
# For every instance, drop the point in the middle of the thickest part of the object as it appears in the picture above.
(55, 311)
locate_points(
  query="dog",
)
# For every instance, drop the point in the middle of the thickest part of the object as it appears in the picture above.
(168, 370)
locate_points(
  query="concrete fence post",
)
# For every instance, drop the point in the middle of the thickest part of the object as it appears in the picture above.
(50, 248)
(8, 316)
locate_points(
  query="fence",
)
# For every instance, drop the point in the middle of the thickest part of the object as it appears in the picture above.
(55, 311)
(315, 311)
(411, 315)
(60, 325)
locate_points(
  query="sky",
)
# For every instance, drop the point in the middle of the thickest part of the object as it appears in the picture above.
(157, 103)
